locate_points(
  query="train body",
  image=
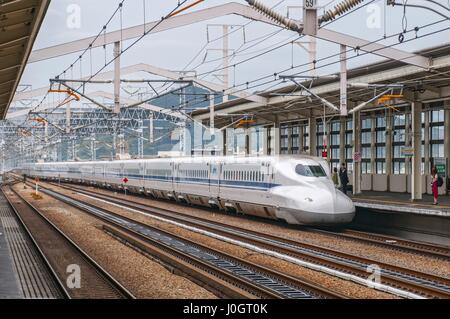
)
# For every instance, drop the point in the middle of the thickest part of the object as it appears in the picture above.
(297, 189)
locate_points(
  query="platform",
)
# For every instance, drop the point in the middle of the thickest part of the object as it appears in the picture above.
(401, 202)
(9, 283)
(395, 214)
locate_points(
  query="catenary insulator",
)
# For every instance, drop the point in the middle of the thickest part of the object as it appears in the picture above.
(276, 17)
(338, 10)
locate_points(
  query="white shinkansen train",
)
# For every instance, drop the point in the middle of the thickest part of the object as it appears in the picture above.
(297, 189)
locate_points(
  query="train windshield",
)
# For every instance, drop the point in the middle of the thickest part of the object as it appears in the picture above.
(310, 170)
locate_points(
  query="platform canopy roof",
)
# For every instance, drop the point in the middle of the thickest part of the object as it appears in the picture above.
(291, 103)
(20, 22)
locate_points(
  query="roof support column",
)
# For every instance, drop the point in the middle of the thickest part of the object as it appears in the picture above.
(276, 137)
(409, 136)
(117, 77)
(389, 137)
(447, 135)
(312, 133)
(416, 178)
(226, 61)
(426, 133)
(343, 124)
(356, 176)
(343, 80)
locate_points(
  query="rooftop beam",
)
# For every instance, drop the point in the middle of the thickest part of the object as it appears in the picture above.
(137, 31)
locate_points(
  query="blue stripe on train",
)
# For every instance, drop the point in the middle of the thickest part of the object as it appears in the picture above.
(201, 181)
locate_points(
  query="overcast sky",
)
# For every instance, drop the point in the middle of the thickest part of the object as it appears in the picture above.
(174, 49)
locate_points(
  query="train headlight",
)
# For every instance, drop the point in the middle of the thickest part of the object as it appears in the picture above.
(308, 199)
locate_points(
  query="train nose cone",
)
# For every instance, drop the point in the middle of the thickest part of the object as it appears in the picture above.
(344, 209)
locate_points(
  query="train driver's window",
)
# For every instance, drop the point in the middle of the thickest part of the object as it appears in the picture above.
(310, 170)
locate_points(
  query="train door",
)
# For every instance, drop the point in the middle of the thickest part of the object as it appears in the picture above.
(214, 178)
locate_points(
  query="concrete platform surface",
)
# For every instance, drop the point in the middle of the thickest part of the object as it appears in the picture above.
(9, 283)
(401, 202)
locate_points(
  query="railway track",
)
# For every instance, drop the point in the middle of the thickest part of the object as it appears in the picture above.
(383, 241)
(415, 282)
(419, 248)
(234, 276)
(63, 256)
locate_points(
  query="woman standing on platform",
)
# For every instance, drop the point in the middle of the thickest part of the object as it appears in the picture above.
(434, 184)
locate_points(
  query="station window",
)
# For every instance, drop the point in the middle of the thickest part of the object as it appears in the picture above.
(380, 144)
(349, 144)
(437, 133)
(398, 143)
(335, 143)
(305, 137)
(320, 137)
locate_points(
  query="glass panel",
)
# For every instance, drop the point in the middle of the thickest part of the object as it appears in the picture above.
(399, 120)
(399, 135)
(437, 133)
(437, 116)
(437, 150)
(335, 139)
(349, 138)
(349, 125)
(366, 137)
(310, 170)
(381, 152)
(366, 123)
(381, 136)
(366, 152)
(336, 126)
(381, 122)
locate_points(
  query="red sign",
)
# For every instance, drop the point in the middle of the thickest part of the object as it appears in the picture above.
(324, 154)
(125, 180)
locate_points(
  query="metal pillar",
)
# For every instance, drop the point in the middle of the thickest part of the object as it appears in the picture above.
(356, 176)
(447, 134)
(312, 133)
(117, 77)
(426, 133)
(276, 137)
(343, 124)
(409, 136)
(389, 138)
(140, 132)
(211, 114)
(343, 81)
(226, 61)
(416, 176)
(151, 129)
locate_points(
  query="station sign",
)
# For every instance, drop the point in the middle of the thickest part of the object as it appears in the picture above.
(441, 166)
(407, 152)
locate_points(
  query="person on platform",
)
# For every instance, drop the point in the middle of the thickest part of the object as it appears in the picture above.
(434, 184)
(335, 177)
(343, 176)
